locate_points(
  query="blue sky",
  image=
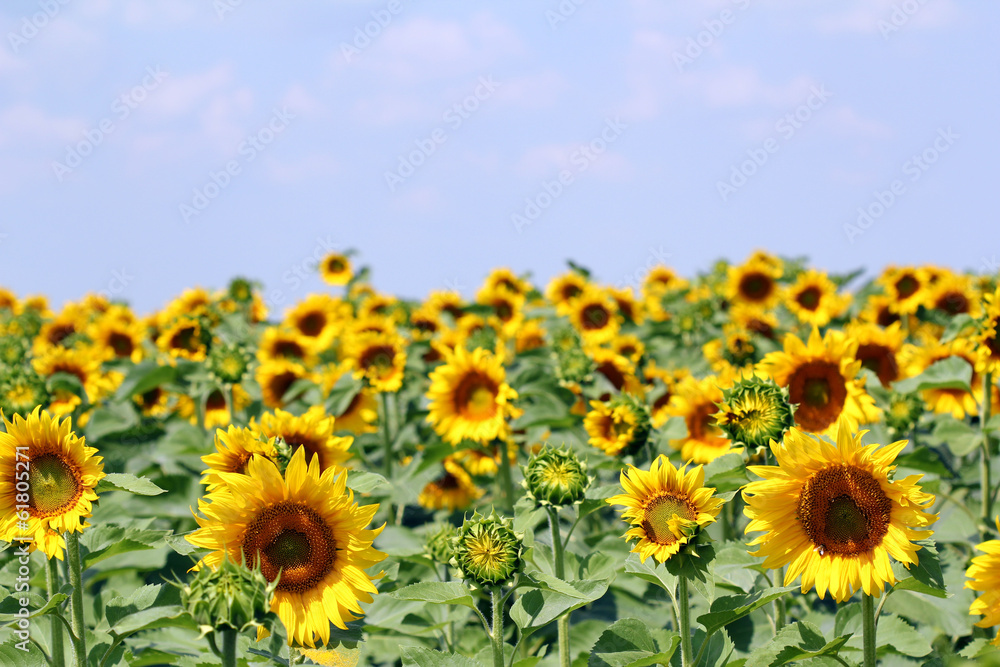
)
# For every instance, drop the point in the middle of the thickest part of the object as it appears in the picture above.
(151, 145)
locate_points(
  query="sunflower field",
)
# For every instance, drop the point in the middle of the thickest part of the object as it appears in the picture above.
(760, 465)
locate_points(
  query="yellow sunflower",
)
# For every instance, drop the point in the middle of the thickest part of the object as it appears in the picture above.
(563, 289)
(424, 323)
(153, 403)
(379, 358)
(453, 490)
(594, 314)
(336, 269)
(879, 309)
(878, 349)
(696, 401)
(958, 402)
(439, 302)
(611, 428)
(813, 299)
(629, 346)
(669, 379)
(218, 414)
(319, 318)
(662, 279)
(183, 339)
(504, 278)
(8, 301)
(55, 333)
(984, 576)
(755, 319)
(234, 449)
(953, 295)
(47, 480)
(312, 430)
(118, 335)
(286, 343)
(755, 282)
(529, 336)
(665, 506)
(617, 370)
(82, 363)
(988, 339)
(191, 302)
(276, 378)
(821, 377)
(361, 414)
(305, 527)
(630, 307)
(906, 287)
(834, 515)
(470, 398)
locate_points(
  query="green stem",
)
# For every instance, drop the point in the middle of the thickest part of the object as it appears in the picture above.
(52, 583)
(228, 647)
(505, 477)
(496, 629)
(557, 551)
(868, 618)
(76, 581)
(985, 490)
(684, 607)
(779, 604)
(386, 448)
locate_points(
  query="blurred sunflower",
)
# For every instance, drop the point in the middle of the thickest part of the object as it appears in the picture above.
(878, 349)
(563, 289)
(915, 359)
(61, 331)
(630, 307)
(879, 309)
(529, 336)
(594, 315)
(83, 364)
(696, 402)
(755, 319)
(379, 358)
(276, 378)
(906, 287)
(453, 490)
(288, 344)
(755, 282)
(313, 430)
(833, 515)
(813, 299)
(184, 338)
(504, 278)
(984, 577)
(470, 398)
(335, 269)
(234, 449)
(617, 426)
(617, 370)
(988, 338)
(118, 336)
(62, 476)
(305, 527)
(821, 377)
(318, 317)
(952, 294)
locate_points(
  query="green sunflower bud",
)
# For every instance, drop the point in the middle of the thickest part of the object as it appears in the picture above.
(440, 544)
(902, 413)
(574, 367)
(639, 416)
(228, 363)
(241, 290)
(487, 550)
(755, 411)
(21, 391)
(232, 596)
(12, 350)
(556, 477)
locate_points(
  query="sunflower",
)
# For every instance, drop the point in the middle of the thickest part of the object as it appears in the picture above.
(906, 287)
(276, 378)
(813, 299)
(666, 507)
(183, 339)
(696, 401)
(234, 449)
(952, 294)
(595, 316)
(286, 343)
(336, 269)
(669, 379)
(529, 336)
(424, 323)
(191, 303)
(613, 428)
(563, 289)
(218, 413)
(61, 331)
(305, 527)
(318, 317)
(617, 370)
(312, 430)
(958, 402)
(8, 301)
(484, 461)
(84, 364)
(153, 403)
(988, 339)
(662, 279)
(504, 278)
(453, 490)
(879, 309)
(736, 349)
(439, 302)
(361, 414)
(755, 319)
(984, 576)
(834, 515)
(755, 282)
(878, 349)
(630, 307)
(62, 475)
(379, 358)
(470, 398)
(629, 346)
(119, 334)
(821, 377)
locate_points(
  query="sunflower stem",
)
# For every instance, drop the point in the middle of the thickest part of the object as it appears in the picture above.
(386, 447)
(558, 556)
(985, 459)
(52, 584)
(868, 618)
(505, 477)
(684, 607)
(228, 647)
(76, 581)
(496, 628)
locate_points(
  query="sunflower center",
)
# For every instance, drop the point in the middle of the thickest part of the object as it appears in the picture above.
(595, 316)
(292, 540)
(756, 286)
(335, 265)
(216, 401)
(288, 349)
(184, 339)
(54, 484)
(281, 383)
(503, 310)
(953, 303)
(570, 291)
(619, 427)
(886, 317)
(880, 360)
(121, 344)
(844, 510)
(809, 298)
(906, 286)
(312, 324)
(60, 332)
(379, 357)
(820, 391)
(475, 397)
(658, 513)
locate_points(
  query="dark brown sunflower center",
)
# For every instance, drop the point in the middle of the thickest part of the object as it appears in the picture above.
(503, 310)
(820, 392)
(953, 303)
(54, 484)
(595, 316)
(475, 397)
(291, 539)
(614, 374)
(215, 401)
(448, 482)
(756, 286)
(60, 332)
(335, 265)
(296, 440)
(658, 513)
(281, 383)
(570, 291)
(288, 349)
(809, 298)
(121, 344)
(844, 510)
(880, 360)
(378, 356)
(885, 317)
(72, 369)
(312, 324)
(906, 286)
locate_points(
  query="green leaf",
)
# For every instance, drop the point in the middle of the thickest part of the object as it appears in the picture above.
(109, 540)
(537, 608)
(924, 459)
(726, 473)
(651, 572)
(117, 481)
(66, 382)
(145, 377)
(926, 576)
(731, 608)
(960, 438)
(368, 483)
(733, 565)
(11, 656)
(436, 592)
(798, 641)
(51, 604)
(118, 608)
(629, 643)
(111, 418)
(903, 637)
(950, 373)
(426, 657)
(955, 326)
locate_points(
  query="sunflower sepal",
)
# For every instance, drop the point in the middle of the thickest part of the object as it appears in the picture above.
(693, 559)
(556, 478)
(487, 550)
(755, 411)
(233, 596)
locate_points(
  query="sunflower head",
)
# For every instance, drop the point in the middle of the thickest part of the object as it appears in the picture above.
(556, 477)
(240, 290)
(21, 390)
(232, 596)
(12, 350)
(487, 550)
(336, 269)
(984, 577)
(619, 426)
(902, 412)
(755, 411)
(470, 398)
(440, 543)
(228, 363)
